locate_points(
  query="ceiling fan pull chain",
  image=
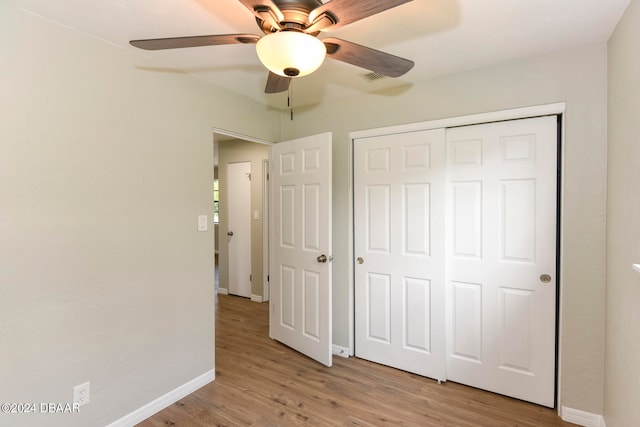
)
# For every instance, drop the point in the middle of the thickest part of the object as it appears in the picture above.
(290, 99)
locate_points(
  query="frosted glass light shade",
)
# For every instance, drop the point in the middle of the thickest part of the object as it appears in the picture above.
(291, 53)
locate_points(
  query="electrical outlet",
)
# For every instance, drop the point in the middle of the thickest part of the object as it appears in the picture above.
(81, 394)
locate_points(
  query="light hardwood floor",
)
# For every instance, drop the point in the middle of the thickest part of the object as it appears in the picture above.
(260, 382)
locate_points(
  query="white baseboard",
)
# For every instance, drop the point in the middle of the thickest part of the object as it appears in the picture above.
(223, 291)
(582, 418)
(256, 298)
(162, 402)
(340, 351)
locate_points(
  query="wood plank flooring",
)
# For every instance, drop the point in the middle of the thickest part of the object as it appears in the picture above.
(260, 382)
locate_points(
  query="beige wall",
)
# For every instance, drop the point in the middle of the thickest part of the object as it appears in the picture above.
(105, 165)
(243, 151)
(622, 380)
(577, 77)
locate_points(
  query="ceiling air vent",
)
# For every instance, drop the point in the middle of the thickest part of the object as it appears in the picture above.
(372, 76)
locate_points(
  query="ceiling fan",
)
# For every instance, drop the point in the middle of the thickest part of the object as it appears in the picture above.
(290, 47)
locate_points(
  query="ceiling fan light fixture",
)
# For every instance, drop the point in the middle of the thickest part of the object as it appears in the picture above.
(291, 53)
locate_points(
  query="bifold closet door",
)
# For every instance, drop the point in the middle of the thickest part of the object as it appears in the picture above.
(501, 250)
(399, 183)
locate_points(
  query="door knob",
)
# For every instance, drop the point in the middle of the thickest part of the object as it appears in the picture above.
(322, 258)
(545, 278)
(360, 260)
(230, 233)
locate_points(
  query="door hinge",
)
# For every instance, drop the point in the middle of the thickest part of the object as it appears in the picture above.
(267, 277)
(250, 277)
(248, 176)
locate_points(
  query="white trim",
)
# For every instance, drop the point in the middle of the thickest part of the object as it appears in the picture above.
(256, 298)
(236, 135)
(560, 301)
(474, 119)
(223, 291)
(582, 418)
(266, 196)
(164, 401)
(350, 254)
(340, 351)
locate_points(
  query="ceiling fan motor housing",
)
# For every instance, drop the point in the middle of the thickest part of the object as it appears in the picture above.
(295, 13)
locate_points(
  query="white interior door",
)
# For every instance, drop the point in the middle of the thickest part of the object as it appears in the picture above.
(502, 257)
(300, 282)
(399, 183)
(239, 227)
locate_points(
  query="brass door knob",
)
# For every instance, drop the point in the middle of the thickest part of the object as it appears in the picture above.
(545, 278)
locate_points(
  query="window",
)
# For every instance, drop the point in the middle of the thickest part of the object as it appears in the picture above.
(216, 201)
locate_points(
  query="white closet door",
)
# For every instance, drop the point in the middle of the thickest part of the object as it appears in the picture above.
(399, 245)
(501, 250)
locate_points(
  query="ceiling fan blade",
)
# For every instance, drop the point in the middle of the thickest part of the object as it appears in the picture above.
(365, 57)
(194, 41)
(266, 10)
(276, 83)
(347, 11)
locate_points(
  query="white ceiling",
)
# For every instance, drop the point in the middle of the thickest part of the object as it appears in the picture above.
(441, 36)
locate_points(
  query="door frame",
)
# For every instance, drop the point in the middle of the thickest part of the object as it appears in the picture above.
(223, 134)
(266, 236)
(473, 119)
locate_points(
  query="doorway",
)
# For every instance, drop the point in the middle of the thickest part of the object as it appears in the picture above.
(300, 217)
(233, 148)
